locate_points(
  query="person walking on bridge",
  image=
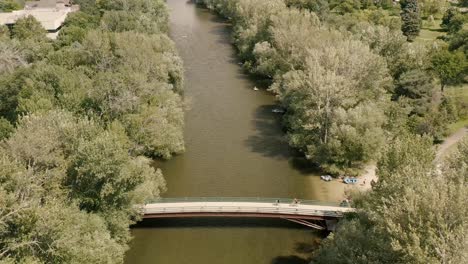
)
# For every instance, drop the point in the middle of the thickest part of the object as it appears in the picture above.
(295, 202)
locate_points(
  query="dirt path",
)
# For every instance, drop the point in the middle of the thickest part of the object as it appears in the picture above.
(450, 142)
(370, 171)
(340, 190)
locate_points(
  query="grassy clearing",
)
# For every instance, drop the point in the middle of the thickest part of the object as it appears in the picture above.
(430, 31)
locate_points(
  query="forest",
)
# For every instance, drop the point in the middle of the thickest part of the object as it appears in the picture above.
(358, 87)
(81, 118)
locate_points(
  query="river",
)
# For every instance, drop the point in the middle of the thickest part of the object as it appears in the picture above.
(235, 148)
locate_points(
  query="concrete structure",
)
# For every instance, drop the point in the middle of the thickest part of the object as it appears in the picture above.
(50, 13)
(324, 215)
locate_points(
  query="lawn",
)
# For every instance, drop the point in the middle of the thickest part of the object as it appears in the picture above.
(430, 32)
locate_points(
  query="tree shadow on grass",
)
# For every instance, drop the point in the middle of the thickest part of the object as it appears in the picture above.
(441, 30)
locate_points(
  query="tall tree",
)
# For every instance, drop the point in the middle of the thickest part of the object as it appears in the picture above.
(451, 67)
(9, 5)
(453, 20)
(411, 19)
(417, 88)
(11, 56)
(28, 27)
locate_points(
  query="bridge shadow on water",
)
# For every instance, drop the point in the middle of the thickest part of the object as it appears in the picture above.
(290, 260)
(217, 222)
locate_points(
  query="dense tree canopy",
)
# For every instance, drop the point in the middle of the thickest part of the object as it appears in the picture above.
(45, 174)
(26, 28)
(76, 117)
(9, 5)
(453, 20)
(450, 66)
(433, 7)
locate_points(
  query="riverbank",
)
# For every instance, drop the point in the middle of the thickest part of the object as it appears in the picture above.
(369, 174)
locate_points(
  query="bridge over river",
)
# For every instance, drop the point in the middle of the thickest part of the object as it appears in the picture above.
(315, 214)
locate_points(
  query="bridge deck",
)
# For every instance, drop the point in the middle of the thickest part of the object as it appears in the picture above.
(264, 208)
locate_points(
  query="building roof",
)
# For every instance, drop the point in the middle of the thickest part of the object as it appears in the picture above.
(50, 13)
(40, 4)
(51, 20)
(46, 4)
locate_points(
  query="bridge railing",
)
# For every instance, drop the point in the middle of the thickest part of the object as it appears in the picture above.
(240, 199)
(234, 209)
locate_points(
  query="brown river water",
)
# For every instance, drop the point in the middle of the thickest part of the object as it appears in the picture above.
(235, 148)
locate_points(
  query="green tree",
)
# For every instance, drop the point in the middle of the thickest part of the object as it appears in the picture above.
(102, 177)
(459, 41)
(121, 21)
(156, 128)
(450, 67)
(88, 6)
(6, 128)
(320, 7)
(417, 87)
(385, 4)
(70, 34)
(345, 6)
(38, 227)
(10, 87)
(9, 5)
(11, 56)
(411, 19)
(28, 28)
(44, 87)
(153, 13)
(76, 26)
(70, 177)
(79, 162)
(453, 20)
(415, 213)
(433, 7)
(4, 32)
(433, 123)
(328, 114)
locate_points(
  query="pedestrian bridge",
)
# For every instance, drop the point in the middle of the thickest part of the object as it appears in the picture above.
(299, 212)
